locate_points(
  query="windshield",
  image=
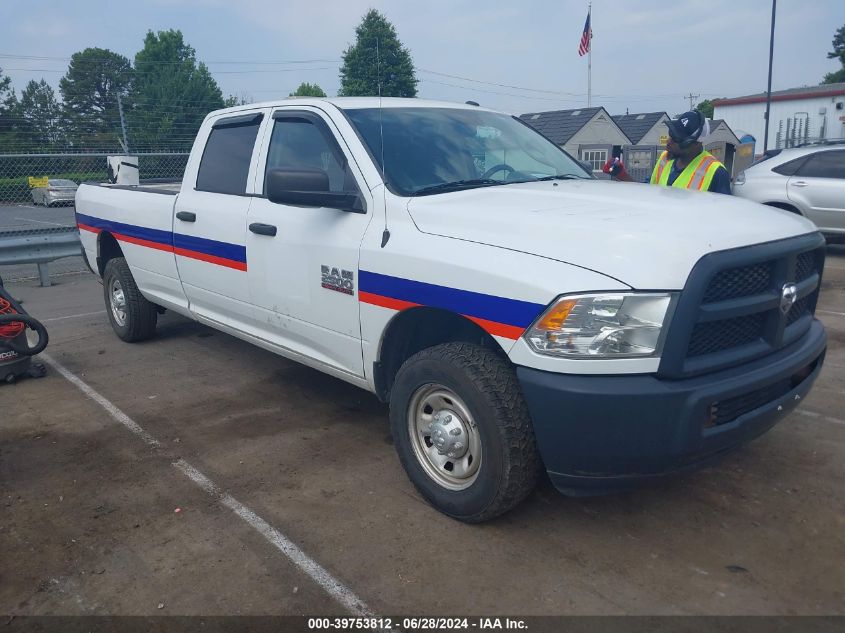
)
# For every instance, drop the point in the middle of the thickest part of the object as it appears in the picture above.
(432, 150)
(54, 182)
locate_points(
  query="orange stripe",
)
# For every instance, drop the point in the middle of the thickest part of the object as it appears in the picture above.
(385, 302)
(140, 242)
(498, 329)
(491, 327)
(661, 165)
(703, 167)
(211, 259)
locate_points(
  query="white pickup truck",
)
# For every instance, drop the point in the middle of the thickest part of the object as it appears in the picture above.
(517, 314)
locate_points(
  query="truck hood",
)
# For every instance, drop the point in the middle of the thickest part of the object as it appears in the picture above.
(645, 236)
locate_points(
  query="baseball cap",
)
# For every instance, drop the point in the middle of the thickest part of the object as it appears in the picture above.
(689, 126)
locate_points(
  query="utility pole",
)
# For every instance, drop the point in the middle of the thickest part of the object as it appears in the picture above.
(769, 87)
(125, 143)
(692, 99)
(590, 56)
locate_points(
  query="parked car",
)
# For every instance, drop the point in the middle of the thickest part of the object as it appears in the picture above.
(517, 313)
(807, 180)
(57, 191)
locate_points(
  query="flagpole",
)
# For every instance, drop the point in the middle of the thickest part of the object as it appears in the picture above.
(590, 55)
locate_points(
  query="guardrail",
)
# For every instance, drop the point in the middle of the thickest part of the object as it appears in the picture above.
(39, 246)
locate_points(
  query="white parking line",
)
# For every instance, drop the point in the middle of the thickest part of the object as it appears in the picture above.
(340, 592)
(819, 416)
(73, 316)
(43, 222)
(831, 312)
(331, 585)
(113, 411)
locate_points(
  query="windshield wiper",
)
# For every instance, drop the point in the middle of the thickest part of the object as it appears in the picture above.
(561, 177)
(456, 185)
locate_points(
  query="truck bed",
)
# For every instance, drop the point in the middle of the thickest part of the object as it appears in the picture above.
(166, 187)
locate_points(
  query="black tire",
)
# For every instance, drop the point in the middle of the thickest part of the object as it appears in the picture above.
(487, 386)
(139, 315)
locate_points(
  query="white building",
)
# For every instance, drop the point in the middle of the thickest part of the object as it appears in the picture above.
(798, 115)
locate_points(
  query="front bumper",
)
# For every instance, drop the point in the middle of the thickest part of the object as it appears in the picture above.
(598, 434)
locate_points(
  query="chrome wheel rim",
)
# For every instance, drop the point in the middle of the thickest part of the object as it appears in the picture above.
(117, 300)
(444, 437)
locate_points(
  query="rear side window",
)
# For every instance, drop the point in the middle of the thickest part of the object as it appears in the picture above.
(790, 168)
(225, 162)
(824, 165)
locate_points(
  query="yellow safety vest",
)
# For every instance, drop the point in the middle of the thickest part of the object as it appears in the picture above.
(698, 174)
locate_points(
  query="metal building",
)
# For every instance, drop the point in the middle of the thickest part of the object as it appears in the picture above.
(798, 115)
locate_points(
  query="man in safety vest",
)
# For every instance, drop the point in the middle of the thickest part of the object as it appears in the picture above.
(685, 164)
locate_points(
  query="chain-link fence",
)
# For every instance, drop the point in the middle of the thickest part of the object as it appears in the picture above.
(17, 169)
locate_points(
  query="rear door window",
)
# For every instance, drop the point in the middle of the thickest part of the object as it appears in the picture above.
(790, 168)
(228, 152)
(824, 165)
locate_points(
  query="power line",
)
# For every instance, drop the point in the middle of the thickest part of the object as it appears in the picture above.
(164, 62)
(283, 62)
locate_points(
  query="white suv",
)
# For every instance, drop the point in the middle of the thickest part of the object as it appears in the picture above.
(807, 180)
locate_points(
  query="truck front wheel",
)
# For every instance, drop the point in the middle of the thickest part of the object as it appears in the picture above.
(463, 432)
(132, 317)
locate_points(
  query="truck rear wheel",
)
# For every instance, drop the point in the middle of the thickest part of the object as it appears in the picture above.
(463, 432)
(132, 317)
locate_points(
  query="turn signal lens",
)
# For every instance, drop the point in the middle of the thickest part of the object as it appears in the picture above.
(555, 317)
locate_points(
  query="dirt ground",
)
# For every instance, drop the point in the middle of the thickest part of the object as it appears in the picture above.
(95, 520)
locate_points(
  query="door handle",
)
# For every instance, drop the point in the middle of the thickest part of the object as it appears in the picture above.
(799, 183)
(186, 216)
(263, 229)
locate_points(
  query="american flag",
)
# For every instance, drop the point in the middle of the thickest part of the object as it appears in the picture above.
(586, 36)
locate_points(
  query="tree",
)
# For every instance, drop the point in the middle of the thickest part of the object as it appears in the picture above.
(39, 114)
(706, 108)
(364, 67)
(171, 92)
(308, 90)
(8, 110)
(95, 79)
(838, 52)
(233, 100)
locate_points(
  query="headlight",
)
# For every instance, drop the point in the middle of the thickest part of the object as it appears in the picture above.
(607, 325)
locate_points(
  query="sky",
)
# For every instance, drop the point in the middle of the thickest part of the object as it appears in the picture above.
(516, 56)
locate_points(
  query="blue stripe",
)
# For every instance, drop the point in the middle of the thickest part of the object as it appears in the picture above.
(481, 306)
(234, 252)
(130, 230)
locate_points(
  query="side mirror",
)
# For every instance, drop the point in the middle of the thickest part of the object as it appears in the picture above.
(309, 188)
